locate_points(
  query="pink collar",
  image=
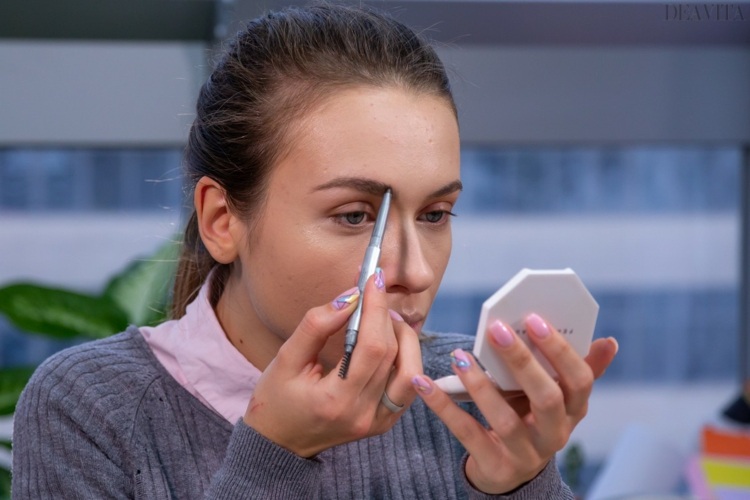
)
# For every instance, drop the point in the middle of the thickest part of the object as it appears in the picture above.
(196, 352)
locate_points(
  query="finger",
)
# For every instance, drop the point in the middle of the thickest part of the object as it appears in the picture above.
(470, 433)
(545, 395)
(376, 346)
(575, 375)
(408, 362)
(503, 419)
(318, 324)
(601, 354)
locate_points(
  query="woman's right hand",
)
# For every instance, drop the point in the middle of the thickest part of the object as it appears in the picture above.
(300, 407)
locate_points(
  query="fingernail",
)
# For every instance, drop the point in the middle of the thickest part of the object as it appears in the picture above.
(379, 279)
(461, 360)
(538, 326)
(617, 344)
(394, 315)
(422, 385)
(346, 299)
(501, 334)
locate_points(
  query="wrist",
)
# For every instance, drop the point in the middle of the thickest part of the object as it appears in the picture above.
(509, 487)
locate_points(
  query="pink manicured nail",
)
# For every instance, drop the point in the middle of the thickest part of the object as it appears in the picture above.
(394, 315)
(345, 299)
(422, 385)
(538, 326)
(502, 334)
(379, 279)
(461, 360)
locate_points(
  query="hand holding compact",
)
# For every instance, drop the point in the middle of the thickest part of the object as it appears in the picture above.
(523, 433)
(303, 408)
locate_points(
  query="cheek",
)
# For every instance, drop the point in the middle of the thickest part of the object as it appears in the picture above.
(291, 275)
(439, 254)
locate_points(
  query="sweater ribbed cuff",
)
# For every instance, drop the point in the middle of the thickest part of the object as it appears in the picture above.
(255, 467)
(547, 484)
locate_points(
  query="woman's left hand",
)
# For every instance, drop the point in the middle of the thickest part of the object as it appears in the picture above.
(524, 433)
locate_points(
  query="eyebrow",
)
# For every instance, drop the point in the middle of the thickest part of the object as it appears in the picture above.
(378, 188)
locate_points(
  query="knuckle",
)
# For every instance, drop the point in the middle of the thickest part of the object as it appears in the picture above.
(330, 411)
(560, 440)
(312, 322)
(284, 354)
(391, 347)
(522, 359)
(374, 349)
(464, 431)
(582, 381)
(375, 303)
(477, 382)
(361, 427)
(440, 405)
(563, 348)
(506, 427)
(550, 399)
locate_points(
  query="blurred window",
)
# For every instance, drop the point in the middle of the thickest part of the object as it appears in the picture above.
(69, 179)
(69, 182)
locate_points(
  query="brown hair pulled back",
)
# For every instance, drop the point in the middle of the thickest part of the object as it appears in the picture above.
(274, 71)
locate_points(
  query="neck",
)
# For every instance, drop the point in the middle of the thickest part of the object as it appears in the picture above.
(243, 328)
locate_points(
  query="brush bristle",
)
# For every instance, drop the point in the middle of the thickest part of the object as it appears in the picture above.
(345, 365)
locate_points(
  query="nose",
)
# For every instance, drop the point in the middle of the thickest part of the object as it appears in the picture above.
(405, 259)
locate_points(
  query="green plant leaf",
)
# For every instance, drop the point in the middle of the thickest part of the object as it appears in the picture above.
(4, 484)
(60, 313)
(142, 289)
(12, 382)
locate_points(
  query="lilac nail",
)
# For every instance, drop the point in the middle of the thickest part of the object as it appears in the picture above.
(379, 279)
(461, 360)
(345, 299)
(422, 385)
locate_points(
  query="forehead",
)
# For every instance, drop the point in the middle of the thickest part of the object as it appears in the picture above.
(399, 138)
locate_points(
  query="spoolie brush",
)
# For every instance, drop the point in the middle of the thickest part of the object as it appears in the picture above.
(345, 364)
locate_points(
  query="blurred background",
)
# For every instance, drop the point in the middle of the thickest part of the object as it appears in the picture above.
(609, 137)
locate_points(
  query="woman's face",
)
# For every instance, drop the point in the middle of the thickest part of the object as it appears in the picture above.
(322, 198)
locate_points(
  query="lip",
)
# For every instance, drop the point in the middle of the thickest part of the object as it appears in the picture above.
(415, 321)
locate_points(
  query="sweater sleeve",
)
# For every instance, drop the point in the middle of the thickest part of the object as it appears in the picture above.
(547, 484)
(255, 467)
(54, 456)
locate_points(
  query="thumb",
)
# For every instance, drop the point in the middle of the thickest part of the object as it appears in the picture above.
(317, 325)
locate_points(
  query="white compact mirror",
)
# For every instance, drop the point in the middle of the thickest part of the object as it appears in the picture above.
(557, 295)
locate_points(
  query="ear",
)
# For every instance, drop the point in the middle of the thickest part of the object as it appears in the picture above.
(220, 230)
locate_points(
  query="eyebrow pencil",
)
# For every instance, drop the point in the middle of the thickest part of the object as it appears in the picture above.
(369, 264)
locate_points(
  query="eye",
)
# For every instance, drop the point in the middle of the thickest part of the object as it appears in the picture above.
(436, 216)
(352, 219)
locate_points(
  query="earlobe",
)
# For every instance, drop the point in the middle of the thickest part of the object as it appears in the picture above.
(216, 223)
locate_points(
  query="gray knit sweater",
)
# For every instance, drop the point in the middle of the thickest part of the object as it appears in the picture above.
(106, 420)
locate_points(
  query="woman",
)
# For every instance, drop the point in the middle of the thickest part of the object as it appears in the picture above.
(308, 118)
